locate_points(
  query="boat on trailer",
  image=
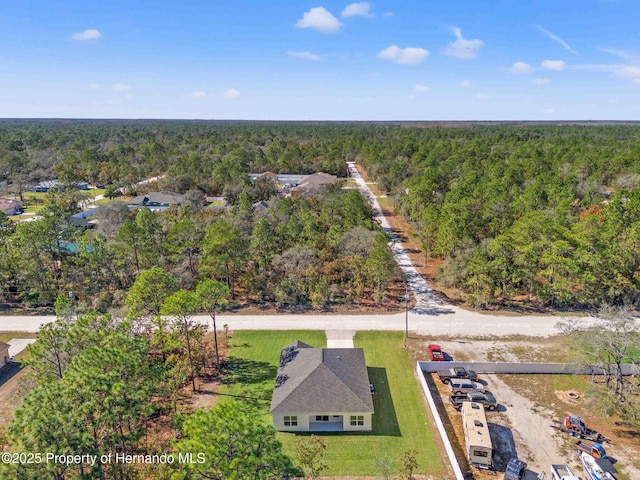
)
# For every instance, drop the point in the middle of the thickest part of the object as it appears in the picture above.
(594, 469)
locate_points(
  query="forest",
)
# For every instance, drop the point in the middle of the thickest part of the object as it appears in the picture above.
(545, 213)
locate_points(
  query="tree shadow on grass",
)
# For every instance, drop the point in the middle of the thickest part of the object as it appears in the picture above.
(241, 371)
(249, 380)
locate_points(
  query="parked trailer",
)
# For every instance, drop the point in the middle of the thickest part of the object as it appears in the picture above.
(573, 425)
(476, 435)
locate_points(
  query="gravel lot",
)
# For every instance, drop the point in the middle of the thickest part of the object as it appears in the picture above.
(521, 425)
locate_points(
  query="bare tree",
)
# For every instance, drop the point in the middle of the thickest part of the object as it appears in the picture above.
(607, 341)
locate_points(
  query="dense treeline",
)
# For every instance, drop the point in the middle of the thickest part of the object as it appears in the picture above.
(318, 250)
(208, 156)
(542, 212)
(547, 212)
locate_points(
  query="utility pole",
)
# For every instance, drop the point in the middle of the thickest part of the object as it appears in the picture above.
(406, 311)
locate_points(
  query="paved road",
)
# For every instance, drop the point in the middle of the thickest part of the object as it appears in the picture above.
(430, 316)
(445, 322)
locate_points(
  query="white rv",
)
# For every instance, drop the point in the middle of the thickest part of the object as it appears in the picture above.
(476, 435)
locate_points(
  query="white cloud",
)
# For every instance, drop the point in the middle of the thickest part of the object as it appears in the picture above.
(360, 9)
(388, 14)
(482, 96)
(320, 19)
(541, 81)
(557, 65)
(404, 56)
(628, 72)
(422, 88)
(304, 55)
(463, 48)
(630, 57)
(120, 87)
(520, 67)
(557, 39)
(548, 111)
(199, 94)
(231, 93)
(465, 84)
(91, 34)
(94, 86)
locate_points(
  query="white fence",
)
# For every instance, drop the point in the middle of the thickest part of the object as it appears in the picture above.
(525, 367)
(443, 434)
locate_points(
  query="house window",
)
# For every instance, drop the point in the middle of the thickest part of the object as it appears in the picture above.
(322, 418)
(290, 421)
(357, 420)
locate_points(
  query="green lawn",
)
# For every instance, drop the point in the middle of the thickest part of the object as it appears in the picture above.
(400, 421)
(253, 360)
(6, 336)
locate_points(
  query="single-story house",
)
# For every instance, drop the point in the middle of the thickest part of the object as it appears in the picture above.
(10, 206)
(312, 182)
(321, 389)
(156, 201)
(4, 354)
(43, 186)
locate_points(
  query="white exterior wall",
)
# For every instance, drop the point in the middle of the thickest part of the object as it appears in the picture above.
(346, 422)
(4, 356)
(303, 421)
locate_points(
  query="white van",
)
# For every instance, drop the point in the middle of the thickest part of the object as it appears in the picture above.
(461, 386)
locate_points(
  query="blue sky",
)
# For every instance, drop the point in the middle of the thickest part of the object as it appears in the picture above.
(321, 60)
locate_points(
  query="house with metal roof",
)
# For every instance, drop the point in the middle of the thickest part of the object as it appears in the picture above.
(321, 389)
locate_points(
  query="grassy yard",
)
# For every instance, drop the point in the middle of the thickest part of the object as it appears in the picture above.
(400, 421)
(253, 360)
(6, 336)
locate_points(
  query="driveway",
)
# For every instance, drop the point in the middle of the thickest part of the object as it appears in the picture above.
(17, 345)
(340, 338)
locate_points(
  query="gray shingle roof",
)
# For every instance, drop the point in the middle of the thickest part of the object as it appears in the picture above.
(317, 380)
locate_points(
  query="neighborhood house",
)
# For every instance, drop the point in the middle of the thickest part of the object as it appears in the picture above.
(295, 185)
(10, 207)
(4, 354)
(321, 389)
(156, 201)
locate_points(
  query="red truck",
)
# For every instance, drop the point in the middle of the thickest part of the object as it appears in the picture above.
(435, 353)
